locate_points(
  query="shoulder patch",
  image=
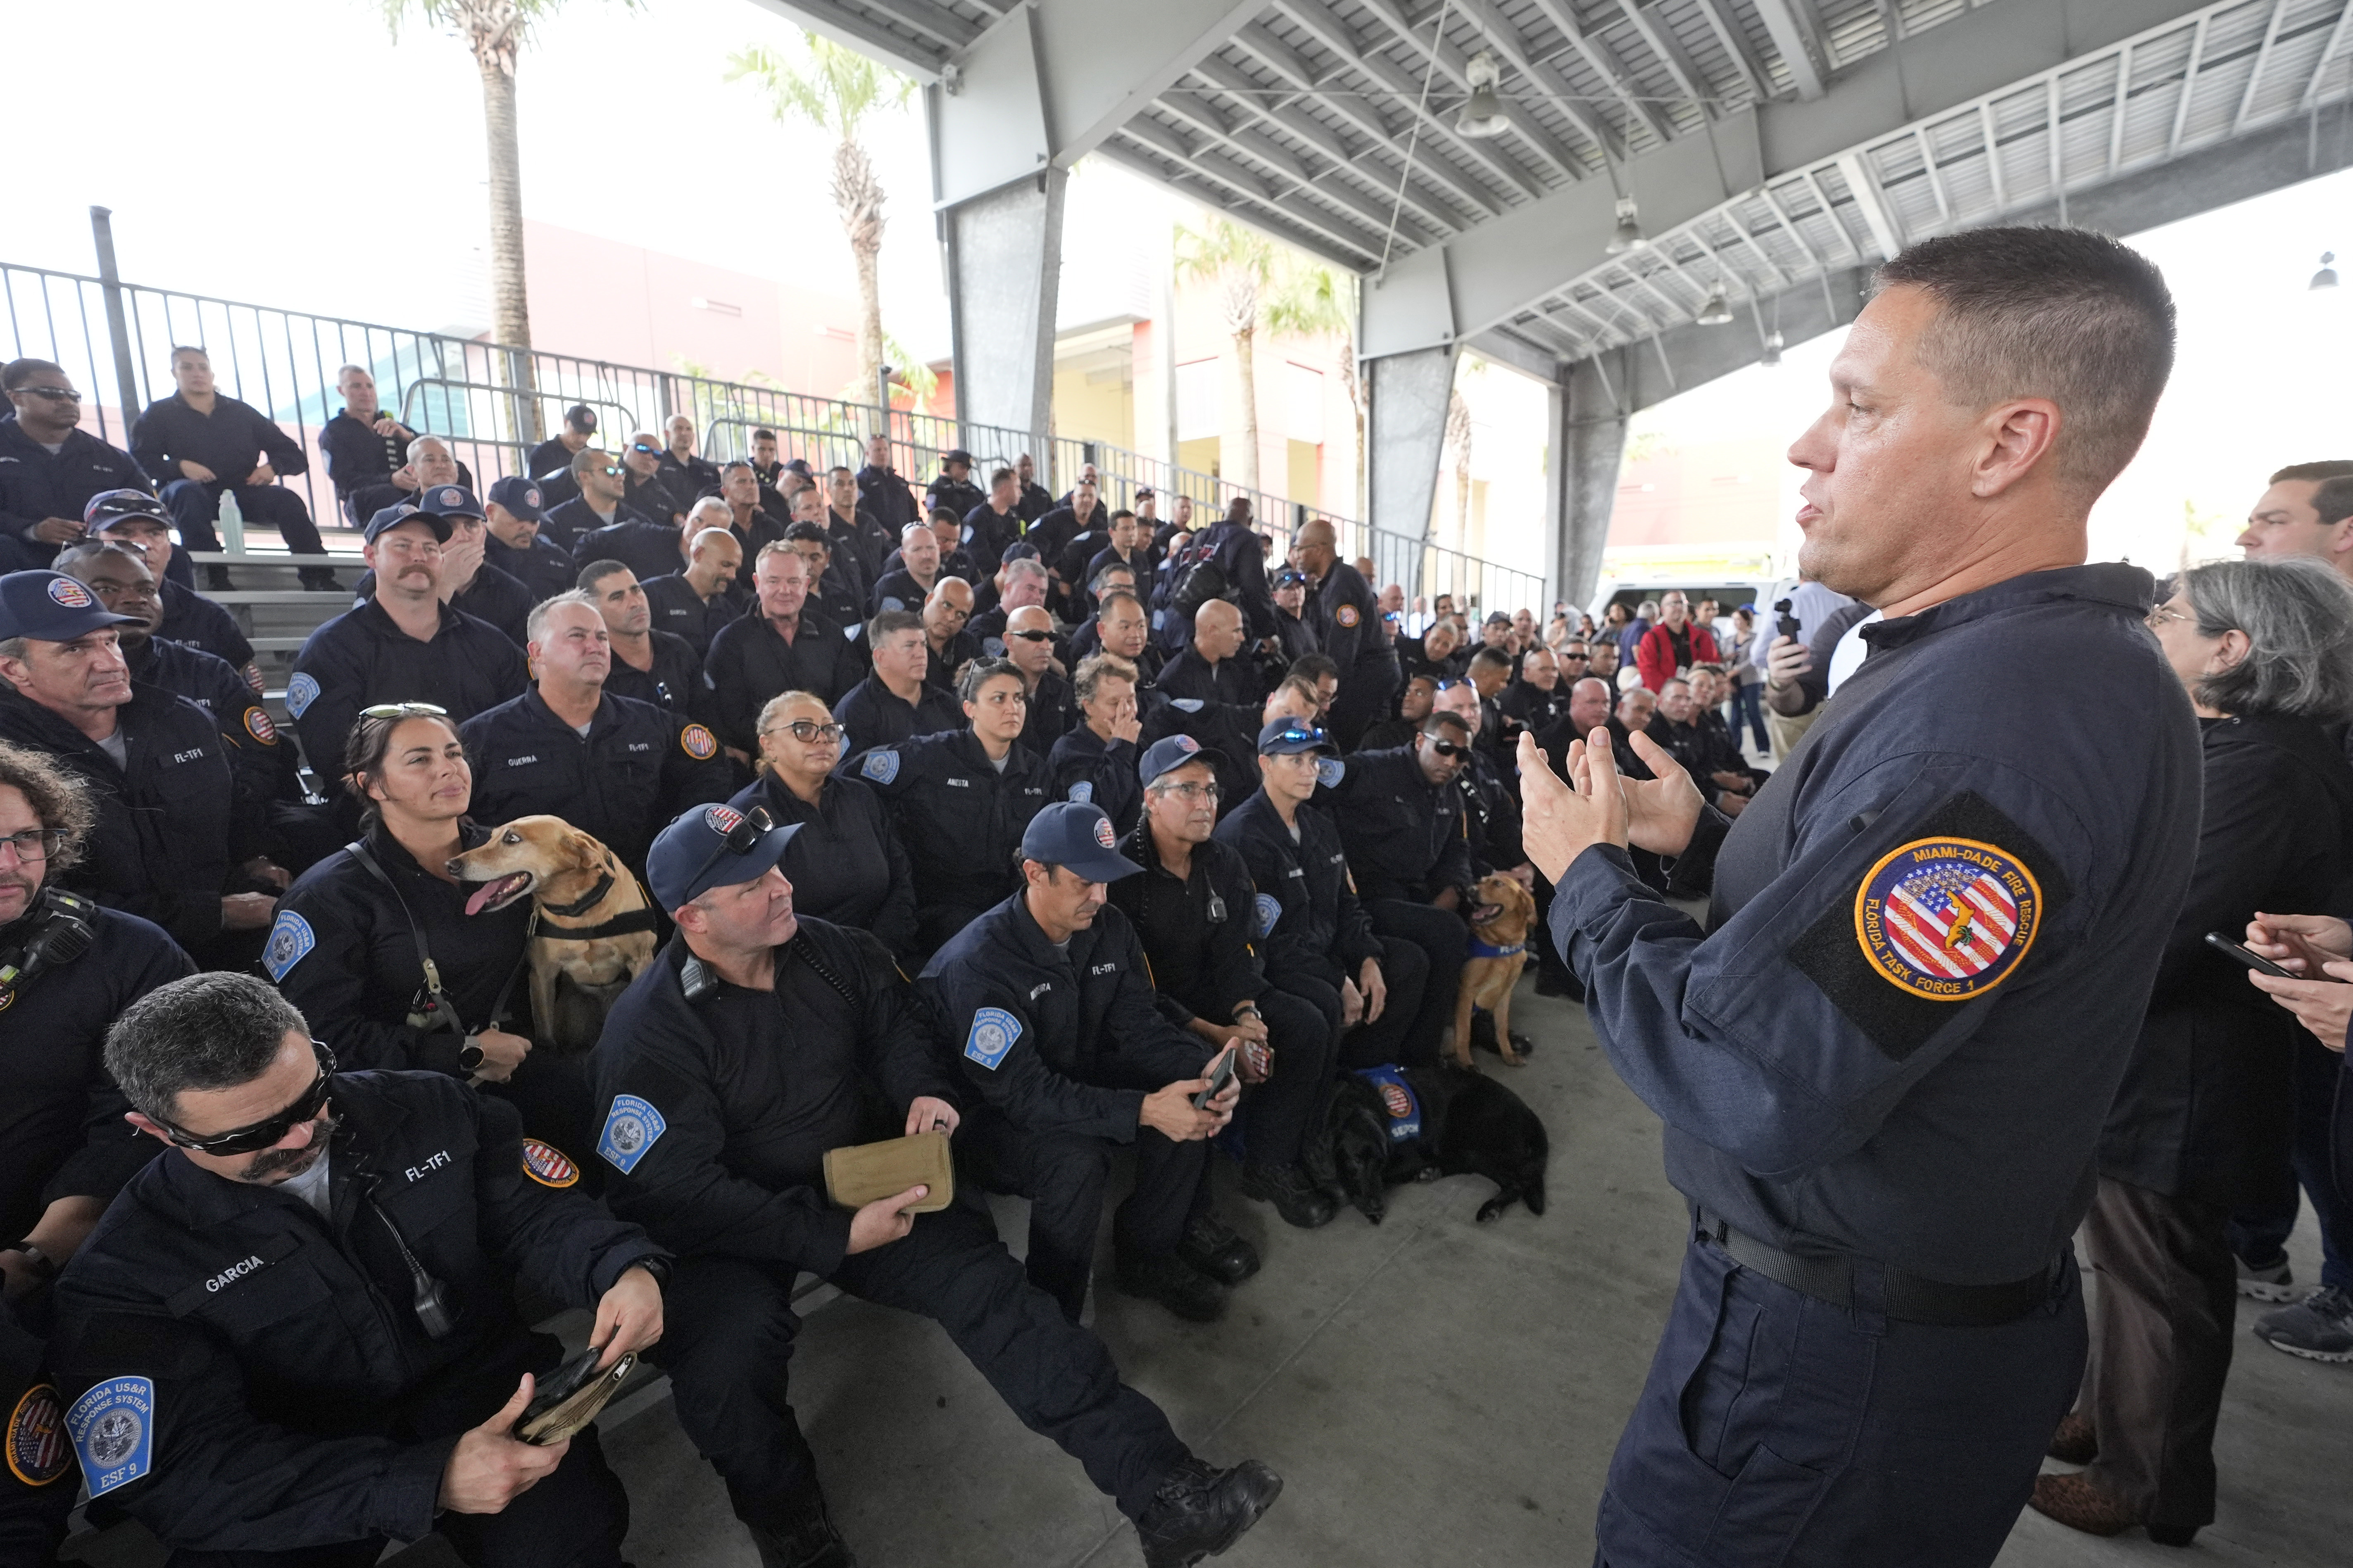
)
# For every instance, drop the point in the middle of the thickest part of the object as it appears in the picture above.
(1083, 792)
(290, 939)
(37, 1447)
(1347, 615)
(994, 1030)
(698, 743)
(882, 765)
(631, 1128)
(1330, 771)
(545, 1164)
(993, 646)
(113, 1432)
(1398, 1103)
(257, 725)
(1944, 916)
(1269, 911)
(301, 693)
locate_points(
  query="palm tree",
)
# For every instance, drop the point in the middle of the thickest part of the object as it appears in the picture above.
(1243, 266)
(835, 90)
(1458, 441)
(496, 30)
(1310, 300)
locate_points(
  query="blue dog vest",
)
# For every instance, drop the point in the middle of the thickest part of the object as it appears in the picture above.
(1398, 1103)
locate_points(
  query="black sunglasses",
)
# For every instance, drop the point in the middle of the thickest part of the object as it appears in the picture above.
(1295, 734)
(1033, 636)
(740, 839)
(56, 394)
(266, 1133)
(1450, 747)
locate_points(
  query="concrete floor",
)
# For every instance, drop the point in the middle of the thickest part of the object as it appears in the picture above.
(1433, 1390)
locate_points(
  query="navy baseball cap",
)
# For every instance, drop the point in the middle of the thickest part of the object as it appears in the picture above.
(109, 506)
(1020, 550)
(1076, 835)
(400, 511)
(49, 606)
(708, 847)
(1285, 737)
(958, 455)
(581, 417)
(1169, 754)
(518, 494)
(1287, 577)
(448, 500)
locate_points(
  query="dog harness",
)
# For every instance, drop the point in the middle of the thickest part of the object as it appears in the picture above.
(1398, 1103)
(1489, 949)
(636, 920)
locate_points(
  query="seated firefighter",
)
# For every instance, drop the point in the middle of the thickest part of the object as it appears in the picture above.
(756, 1042)
(293, 1337)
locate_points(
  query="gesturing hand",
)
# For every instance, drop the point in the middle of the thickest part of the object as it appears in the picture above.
(2323, 1007)
(1660, 810)
(2300, 942)
(1559, 823)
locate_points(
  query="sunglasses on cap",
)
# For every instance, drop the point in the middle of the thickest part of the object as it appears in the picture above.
(1033, 636)
(740, 839)
(1451, 683)
(265, 1133)
(403, 711)
(1293, 735)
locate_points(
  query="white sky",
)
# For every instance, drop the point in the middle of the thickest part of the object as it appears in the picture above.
(2259, 381)
(284, 159)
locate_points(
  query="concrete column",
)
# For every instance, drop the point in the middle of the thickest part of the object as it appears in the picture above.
(1588, 434)
(1405, 431)
(1005, 269)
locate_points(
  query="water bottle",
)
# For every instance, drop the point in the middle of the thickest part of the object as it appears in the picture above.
(232, 522)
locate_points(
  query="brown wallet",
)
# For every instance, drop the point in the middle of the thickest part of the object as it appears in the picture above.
(570, 1396)
(862, 1173)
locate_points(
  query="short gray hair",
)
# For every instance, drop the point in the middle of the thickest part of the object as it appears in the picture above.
(214, 1030)
(2297, 614)
(417, 448)
(535, 627)
(1023, 566)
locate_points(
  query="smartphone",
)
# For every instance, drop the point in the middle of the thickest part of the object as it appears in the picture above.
(1221, 1076)
(2256, 961)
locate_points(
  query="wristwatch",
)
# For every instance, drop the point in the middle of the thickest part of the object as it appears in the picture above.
(469, 1056)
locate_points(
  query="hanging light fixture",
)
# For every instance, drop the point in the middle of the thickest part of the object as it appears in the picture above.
(1628, 233)
(1715, 312)
(1482, 116)
(2327, 277)
(1772, 355)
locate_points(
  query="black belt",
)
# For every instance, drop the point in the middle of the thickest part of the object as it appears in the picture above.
(1905, 1296)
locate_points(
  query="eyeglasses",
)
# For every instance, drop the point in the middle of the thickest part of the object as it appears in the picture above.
(264, 1134)
(35, 843)
(1033, 636)
(807, 730)
(403, 711)
(1189, 791)
(55, 393)
(2162, 614)
(740, 839)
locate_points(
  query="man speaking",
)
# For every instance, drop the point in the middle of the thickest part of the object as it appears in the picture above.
(1884, 1062)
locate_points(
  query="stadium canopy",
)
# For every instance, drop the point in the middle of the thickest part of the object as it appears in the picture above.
(1622, 198)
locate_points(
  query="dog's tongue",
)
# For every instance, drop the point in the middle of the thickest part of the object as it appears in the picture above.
(486, 892)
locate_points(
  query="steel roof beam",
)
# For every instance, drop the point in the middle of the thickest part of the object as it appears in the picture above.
(1796, 33)
(1455, 62)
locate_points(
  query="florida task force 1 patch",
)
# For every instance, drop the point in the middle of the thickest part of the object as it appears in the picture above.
(37, 1450)
(1947, 919)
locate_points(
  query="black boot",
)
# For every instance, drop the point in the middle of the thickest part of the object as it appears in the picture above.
(811, 1542)
(1175, 1283)
(1198, 1512)
(1295, 1195)
(216, 579)
(1211, 1247)
(319, 579)
(1482, 1036)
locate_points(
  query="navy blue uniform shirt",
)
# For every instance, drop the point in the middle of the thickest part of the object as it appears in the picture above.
(1932, 939)
(1306, 913)
(637, 767)
(1406, 837)
(233, 440)
(361, 658)
(872, 715)
(960, 819)
(36, 485)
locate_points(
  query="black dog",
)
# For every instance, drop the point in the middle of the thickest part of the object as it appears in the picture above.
(1469, 1125)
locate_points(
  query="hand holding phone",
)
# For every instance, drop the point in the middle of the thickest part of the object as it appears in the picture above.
(2254, 961)
(1221, 1074)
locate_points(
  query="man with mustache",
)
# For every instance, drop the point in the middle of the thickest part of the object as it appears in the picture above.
(404, 645)
(219, 1394)
(171, 825)
(58, 1169)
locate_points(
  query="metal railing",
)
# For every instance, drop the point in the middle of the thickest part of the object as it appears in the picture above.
(494, 403)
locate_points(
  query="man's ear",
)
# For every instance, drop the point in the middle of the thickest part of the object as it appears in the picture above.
(152, 1129)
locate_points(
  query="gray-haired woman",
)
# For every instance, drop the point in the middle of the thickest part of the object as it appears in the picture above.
(2205, 1109)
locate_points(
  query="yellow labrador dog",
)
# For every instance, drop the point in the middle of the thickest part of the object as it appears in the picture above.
(1502, 913)
(593, 930)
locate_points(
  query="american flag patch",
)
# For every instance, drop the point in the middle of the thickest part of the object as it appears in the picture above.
(1947, 919)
